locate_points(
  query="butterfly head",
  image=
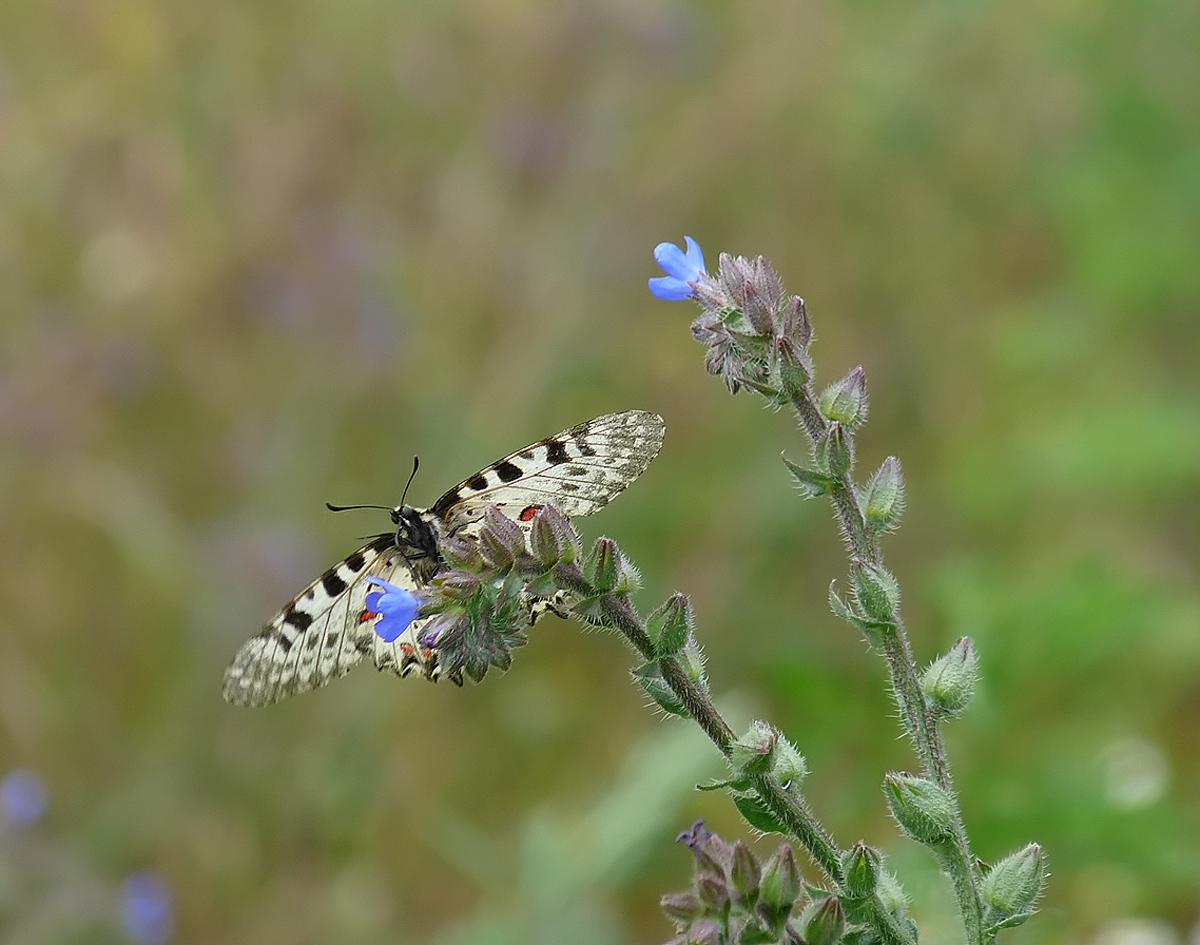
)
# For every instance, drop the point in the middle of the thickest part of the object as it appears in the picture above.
(415, 530)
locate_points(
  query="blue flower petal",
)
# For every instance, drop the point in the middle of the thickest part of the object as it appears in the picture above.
(396, 606)
(680, 268)
(670, 288)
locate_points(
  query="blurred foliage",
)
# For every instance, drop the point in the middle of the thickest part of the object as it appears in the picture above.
(254, 255)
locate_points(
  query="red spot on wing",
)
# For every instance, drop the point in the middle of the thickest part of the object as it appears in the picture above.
(529, 512)
(407, 649)
(427, 654)
(367, 615)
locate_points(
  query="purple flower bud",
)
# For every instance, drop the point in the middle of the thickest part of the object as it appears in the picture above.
(147, 909)
(23, 797)
(396, 606)
(756, 308)
(682, 907)
(681, 268)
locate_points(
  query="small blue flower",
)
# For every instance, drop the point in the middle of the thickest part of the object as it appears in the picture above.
(147, 909)
(680, 268)
(396, 606)
(23, 798)
(695, 838)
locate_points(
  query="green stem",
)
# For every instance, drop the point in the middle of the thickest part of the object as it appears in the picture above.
(918, 717)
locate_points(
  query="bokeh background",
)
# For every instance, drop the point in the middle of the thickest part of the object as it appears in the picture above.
(255, 255)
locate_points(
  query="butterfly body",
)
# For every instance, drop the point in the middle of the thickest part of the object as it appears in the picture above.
(327, 629)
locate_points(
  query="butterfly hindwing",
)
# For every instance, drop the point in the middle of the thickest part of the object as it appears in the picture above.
(318, 636)
(577, 471)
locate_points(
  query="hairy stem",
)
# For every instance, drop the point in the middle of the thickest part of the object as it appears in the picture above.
(918, 717)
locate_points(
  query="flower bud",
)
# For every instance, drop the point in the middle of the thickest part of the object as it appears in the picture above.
(712, 891)
(670, 625)
(565, 536)
(823, 921)
(603, 565)
(754, 752)
(457, 584)
(793, 366)
(882, 500)
(744, 875)
(1013, 885)
(756, 309)
(846, 400)
(860, 865)
(949, 681)
(779, 887)
(500, 540)
(789, 768)
(462, 554)
(794, 324)
(876, 589)
(892, 894)
(703, 932)
(682, 907)
(543, 542)
(922, 809)
(836, 451)
(691, 658)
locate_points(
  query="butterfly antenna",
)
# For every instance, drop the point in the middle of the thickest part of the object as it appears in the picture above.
(347, 508)
(416, 466)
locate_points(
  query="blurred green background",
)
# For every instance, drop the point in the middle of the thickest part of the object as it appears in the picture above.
(255, 255)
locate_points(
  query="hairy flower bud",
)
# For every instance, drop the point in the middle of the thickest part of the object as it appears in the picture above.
(823, 921)
(876, 590)
(922, 809)
(949, 681)
(794, 324)
(500, 539)
(779, 887)
(756, 309)
(1012, 886)
(836, 451)
(754, 752)
(860, 865)
(602, 563)
(703, 932)
(882, 501)
(744, 875)
(462, 554)
(682, 907)
(793, 367)
(670, 625)
(846, 400)
(712, 891)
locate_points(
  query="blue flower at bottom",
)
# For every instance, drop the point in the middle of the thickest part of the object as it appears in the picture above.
(396, 606)
(147, 909)
(680, 268)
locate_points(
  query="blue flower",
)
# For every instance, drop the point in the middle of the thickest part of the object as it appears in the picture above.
(146, 908)
(680, 268)
(22, 797)
(396, 606)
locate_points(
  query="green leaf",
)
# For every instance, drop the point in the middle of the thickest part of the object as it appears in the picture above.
(649, 677)
(757, 814)
(812, 484)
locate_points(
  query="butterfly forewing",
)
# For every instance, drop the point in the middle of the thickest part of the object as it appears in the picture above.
(577, 471)
(323, 632)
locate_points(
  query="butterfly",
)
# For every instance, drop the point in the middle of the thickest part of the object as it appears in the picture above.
(327, 629)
